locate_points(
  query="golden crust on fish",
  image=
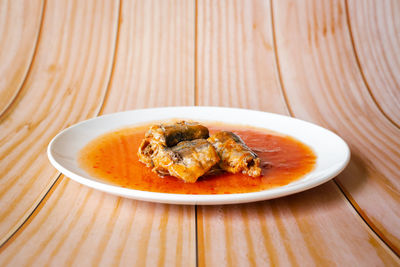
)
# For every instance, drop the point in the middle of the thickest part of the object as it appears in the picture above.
(234, 154)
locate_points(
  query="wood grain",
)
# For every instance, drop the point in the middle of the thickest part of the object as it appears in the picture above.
(84, 227)
(176, 52)
(75, 225)
(314, 228)
(155, 57)
(65, 85)
(375, 30)
(19, 31)
(305, 229)
(324, 85)
(234, 55)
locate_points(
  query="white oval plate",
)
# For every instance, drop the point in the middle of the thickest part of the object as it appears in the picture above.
(332, 152)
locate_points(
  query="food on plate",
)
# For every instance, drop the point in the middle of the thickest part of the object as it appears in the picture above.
(171, 134)
(111, 157)
(161, 136)
(234, 155)
(185, 150)
(188, 160)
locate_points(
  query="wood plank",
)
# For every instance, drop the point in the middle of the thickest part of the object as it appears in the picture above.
(65, 85)
(155, 57)
(75, 225)
(324, 85)
(19, 30)
(229, 64)
(83, 227)
(375, 30)
(316, 227)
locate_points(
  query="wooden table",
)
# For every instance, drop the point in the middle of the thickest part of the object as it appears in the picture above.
(334, 63)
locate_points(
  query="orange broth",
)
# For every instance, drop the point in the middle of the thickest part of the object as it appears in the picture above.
(113, 158)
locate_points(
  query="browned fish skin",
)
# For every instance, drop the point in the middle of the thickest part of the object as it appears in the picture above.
(182, 150)
(176, 150)
(161, 136)
(188, 160)
(235, 155)
(170, 135)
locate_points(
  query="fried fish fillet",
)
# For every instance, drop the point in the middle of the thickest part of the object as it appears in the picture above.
(161, 136)
(188, 160)
(234, 154)
(185, 150)
(179, 149)
(172, 134)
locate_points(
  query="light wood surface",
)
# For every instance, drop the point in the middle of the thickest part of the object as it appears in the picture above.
(376, 42)
(271, 232)
(64, 86)
(334, 95)
(19, 32)
(335, 63)
(153, 66)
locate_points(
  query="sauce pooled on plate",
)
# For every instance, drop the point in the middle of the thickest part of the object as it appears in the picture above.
(113, 158)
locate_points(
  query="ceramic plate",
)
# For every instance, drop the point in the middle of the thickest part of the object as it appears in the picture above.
(332, 152)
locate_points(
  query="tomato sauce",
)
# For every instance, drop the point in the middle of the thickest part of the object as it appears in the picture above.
(113, 158)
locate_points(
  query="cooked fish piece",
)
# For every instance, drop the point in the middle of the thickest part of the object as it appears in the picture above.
(170, 135)
(234, 154)
(147, 149)
(188, 160)
(182, 150)
(161, 136)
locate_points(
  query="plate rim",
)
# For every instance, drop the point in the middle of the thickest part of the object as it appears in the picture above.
(200, 199)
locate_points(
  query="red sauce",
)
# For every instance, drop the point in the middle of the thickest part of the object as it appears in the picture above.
(112, 157)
